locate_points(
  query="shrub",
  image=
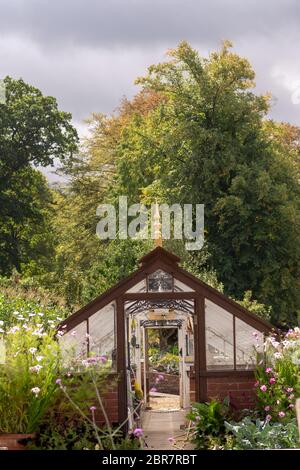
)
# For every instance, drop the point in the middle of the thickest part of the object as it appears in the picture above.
(27, 377)
(208, 422)
(263, 435)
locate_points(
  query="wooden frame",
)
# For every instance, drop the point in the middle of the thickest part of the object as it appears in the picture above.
(159, 258)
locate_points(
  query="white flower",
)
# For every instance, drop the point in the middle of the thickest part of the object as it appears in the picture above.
(31, 315)
(32, 350)
(13, 329)
(36, 369)
(1, 322)
(39, 358)
(36, 390)
(40, 314)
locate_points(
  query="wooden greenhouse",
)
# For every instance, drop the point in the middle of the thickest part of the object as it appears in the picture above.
(216, 336)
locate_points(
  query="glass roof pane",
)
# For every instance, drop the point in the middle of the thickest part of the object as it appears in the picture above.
(139, 287)
(181, 287)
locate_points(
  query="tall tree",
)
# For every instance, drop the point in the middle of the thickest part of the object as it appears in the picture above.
(33, 131)
(206, 141)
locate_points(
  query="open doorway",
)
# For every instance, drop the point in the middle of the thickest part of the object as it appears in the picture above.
(162, 385)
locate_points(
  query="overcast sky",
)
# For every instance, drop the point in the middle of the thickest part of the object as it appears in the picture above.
(88, 53)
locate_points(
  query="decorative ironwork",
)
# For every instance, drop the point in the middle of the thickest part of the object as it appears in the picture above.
(172, 304)
(160, 323)
(160, 281)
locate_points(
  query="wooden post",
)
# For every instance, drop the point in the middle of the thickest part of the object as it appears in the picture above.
(200, 349)
(121, 362)
(298, 414)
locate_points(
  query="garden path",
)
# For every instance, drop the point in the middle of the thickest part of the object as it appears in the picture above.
(159, 426)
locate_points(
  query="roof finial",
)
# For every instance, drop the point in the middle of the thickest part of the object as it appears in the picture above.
(157, 226)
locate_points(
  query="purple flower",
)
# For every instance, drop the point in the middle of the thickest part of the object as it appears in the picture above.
(138, 432)
(58, 381)
(281, 414)
(272, 380)
(161, 377)
(103, 359)
(263, 388)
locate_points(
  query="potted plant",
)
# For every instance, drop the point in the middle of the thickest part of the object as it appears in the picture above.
(28, 370)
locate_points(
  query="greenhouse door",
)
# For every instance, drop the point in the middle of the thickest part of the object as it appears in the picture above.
(165, 380)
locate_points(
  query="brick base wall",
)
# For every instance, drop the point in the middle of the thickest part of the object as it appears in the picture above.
(240, 390)
(110, 402)
(170, 384)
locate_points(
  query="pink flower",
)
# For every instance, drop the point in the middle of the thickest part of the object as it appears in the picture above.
(256, 384)
(290, 390)
(267, 408)
(138, 432)
(272, 380)
(268, 418)
(268, 370)
(281, 414)
(263, 388)
(58, 381)
(93, 408)
(103, 359)
(171, 440)
(161, 377)
(291, 405)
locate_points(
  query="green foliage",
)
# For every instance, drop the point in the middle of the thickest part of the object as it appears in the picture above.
(255, 307)
(77, 435)
(20, 300)
(264, 435)
(204, 139)
(32, 132)
(167, 362)
(27, 377)
(208, 422)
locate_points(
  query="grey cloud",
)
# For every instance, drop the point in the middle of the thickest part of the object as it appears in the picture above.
(119, 23)
(88, 53)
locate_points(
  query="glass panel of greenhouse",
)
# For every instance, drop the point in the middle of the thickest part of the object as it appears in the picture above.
(74, 342)
(102, 337)
(219, 337)
(249, 342)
